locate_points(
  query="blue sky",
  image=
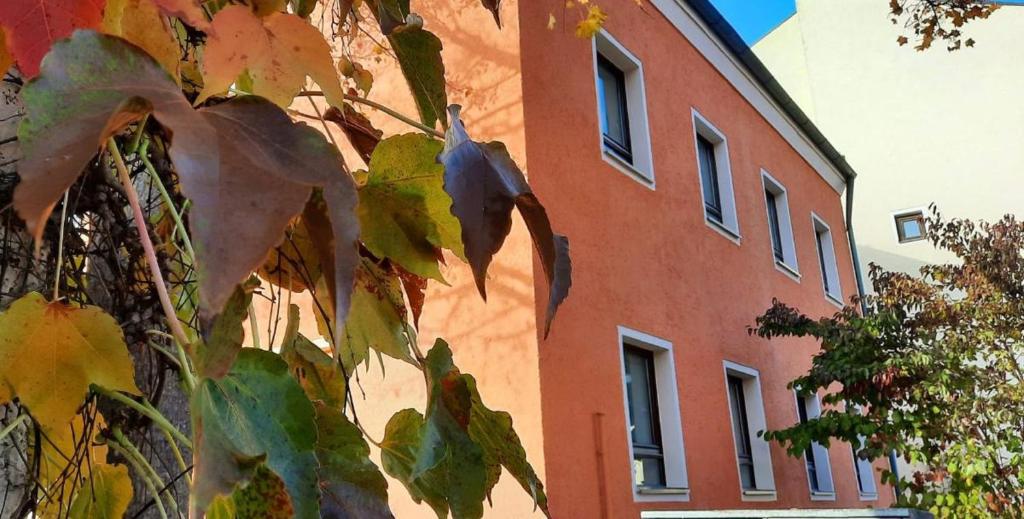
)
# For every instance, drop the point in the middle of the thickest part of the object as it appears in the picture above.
(753, 18)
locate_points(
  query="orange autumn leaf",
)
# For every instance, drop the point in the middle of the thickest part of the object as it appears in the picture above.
(279, 51)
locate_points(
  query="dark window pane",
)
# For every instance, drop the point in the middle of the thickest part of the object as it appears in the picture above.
(644, 425)
(856, 468)
(709, 178)
(819, 236)
(741, 432)
(614, 115)
(773, 225)
(812, 466)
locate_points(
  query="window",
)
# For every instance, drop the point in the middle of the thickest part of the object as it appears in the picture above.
(865, 475)
(827, 260)
(645, 428)
(780, 227)
(653, 418)
(614, 115)
(715, 177)
(622, 109)
(819, 472)
(910, 227)
(746, 411)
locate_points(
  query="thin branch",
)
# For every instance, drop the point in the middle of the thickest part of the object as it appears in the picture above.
(373, 104)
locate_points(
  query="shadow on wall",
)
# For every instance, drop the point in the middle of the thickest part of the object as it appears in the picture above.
(888, 261)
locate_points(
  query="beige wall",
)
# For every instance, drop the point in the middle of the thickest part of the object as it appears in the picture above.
(919, 127)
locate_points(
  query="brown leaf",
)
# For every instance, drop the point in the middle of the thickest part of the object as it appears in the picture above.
(63, 128)
(360, 132)
(415, 290)
(485, 183)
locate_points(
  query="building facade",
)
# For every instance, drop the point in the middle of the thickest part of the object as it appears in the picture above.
(693, 193)
(920, 127)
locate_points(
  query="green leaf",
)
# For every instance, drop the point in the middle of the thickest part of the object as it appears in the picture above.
(419, 57)
(402, 438)
(63, 128)
(391, 14)
(50, 353)
(378, 319)
(485, 184)
(264, 497)
(404, 212)
(105, 495)
(257, 412)
(318, 374)
(352, 485)
(217, 353)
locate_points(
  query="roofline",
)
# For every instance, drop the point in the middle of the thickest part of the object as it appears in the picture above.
(745, 55)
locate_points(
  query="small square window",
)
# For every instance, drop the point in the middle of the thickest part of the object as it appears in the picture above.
(910, 227)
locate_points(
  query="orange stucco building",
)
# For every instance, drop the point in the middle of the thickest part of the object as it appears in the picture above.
(693, 192)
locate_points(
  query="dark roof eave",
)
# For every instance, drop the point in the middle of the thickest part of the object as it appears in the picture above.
(718, 24)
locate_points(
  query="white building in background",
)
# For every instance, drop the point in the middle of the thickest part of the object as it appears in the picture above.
(919, 127)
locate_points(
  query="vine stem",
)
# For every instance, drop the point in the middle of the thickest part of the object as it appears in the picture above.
(13, 425)
(147, 245)
(165, 196)
(146, 466)
(146, 410)
(373, 104)
(120, 449)
(60, 246)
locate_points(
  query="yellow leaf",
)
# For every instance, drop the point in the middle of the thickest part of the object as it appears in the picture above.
(6, 60)
(58, 474)
(105, 495)
(589, 26)
(50, 353)
(140, 22)
(279, 51)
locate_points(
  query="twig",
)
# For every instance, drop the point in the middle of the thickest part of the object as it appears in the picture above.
(147, 245)
(146, 410)
(117, 447)
(60, 246)
(146, 466)
(373, 104)
(12, 426)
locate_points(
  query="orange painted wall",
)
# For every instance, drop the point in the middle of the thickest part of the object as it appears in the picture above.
(645, 259)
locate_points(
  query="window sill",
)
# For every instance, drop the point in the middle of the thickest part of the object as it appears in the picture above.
(793, 273)
(646, 179)
(869, 497)
(759, 495)
(729, 234)
(664, 491)
(834, 300)
(823, 496)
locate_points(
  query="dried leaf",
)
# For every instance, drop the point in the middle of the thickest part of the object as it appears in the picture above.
(279, 51)
(63, 128)
(360, 132)
(484, 184)
(264, 497)
(50, 354)
(33, 26)
(141, 23)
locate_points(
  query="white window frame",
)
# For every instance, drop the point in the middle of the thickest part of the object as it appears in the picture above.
(907, 212)
(677, 486)
(730, 226)
(864, 472)
(642, 168)
(831, 267)
(760, 450)
(822, 463)
(789, 265)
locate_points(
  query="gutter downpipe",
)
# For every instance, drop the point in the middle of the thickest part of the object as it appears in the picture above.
(853, 244)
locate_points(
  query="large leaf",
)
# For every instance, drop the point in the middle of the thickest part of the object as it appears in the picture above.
(279, 51)
(378, 319)
(141, 22)
(318, 374)
(63, 128)
(453, 457)
(50, 353)
(32, 26)
(404, 211)
(353, 487)
(485, 184)
(217, 353)
(257, 412)
(419, 57)
(104, 495)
